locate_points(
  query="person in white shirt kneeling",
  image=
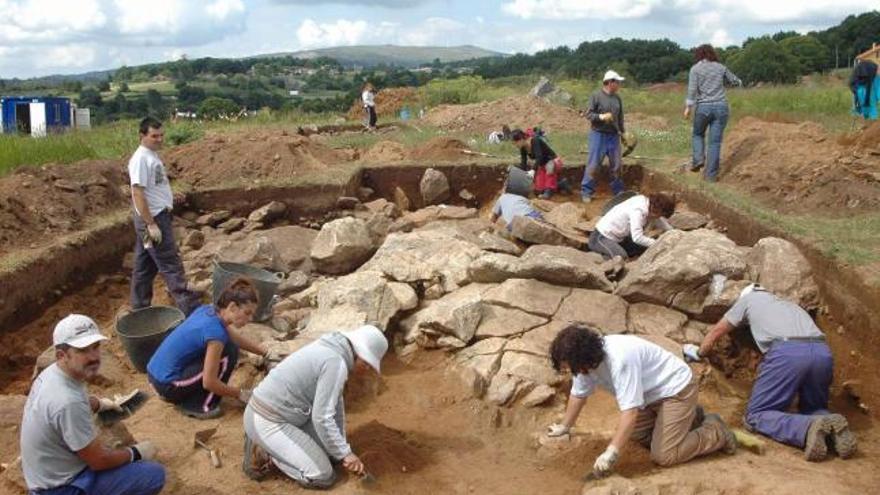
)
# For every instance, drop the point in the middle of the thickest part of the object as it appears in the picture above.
(655, 391)
(621, 231)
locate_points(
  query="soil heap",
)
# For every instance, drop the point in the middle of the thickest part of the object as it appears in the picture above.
(437, 149)
(389, 102)
(799, 168)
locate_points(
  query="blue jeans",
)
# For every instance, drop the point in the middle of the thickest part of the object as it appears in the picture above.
(137, 478)
(163, 259)
(711, 116)
(790, 369)
(601, 145)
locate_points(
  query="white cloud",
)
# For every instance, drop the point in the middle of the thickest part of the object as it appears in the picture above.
(435, 31)
(67, 56)
(343, 32)
(579, 9)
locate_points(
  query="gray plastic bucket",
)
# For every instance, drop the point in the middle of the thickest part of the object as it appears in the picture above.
(265, 281)
(142, 330)
(518, 182)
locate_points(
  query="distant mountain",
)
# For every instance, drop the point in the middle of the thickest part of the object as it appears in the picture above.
(401, 56)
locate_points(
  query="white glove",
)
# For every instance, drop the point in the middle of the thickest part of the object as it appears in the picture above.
(691, 352)
(606, 117)
(155, 234)
(244, 395)
(107, 404)
(558, 430)
(605, 462)
(147, 450)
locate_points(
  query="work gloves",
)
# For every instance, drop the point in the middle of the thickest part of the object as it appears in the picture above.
(558, 430)
(143, 451)
(244, 395)
(606, 117)
(691, 352)
(108, 404)
(154, 233)
(605, 463)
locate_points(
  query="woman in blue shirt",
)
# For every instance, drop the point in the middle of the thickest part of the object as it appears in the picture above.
(193, 364)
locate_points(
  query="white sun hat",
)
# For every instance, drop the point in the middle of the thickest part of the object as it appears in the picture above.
(77, 331)
(369, 344)
(749, 289)
(612, 76)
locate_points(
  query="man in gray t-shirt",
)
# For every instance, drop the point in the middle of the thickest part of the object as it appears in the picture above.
(59, 446)
(797, 364)
(510, 206)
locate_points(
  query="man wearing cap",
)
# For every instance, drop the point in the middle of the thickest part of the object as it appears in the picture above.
(60, 452)
(605, 113)
(797, 364)
(296, 416)
(155, 250)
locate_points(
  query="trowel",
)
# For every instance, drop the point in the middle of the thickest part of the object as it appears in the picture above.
(200, 440)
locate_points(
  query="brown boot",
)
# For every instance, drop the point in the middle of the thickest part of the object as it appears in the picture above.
(816, 448)
(730, 443)
(842, 440)
(256, 463)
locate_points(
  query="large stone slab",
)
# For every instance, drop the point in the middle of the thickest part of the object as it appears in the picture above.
(429, 214)
(606, 313)
(688, 220)
(293, 244)
(434, 187)
(780, 267)
(677, 270)
(498, 321)
(650, 319)
(342, 245)
(537, 232)
(553, 264)
(528, 295)
(456, 315)
(537, 342)
(478, 363)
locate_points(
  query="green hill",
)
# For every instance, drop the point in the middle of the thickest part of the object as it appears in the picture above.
(401, 56)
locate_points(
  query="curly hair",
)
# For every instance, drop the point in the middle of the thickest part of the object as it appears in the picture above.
(662, 204)
(240, 291)
(579, 347)
(705, 52)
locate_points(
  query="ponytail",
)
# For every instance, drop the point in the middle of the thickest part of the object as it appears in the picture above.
(240, 291)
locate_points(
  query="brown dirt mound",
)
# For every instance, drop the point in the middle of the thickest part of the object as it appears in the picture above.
(39, 203)
(387, 451)
(385, 151)
(440, 148)
(251, 155)
(389, 102)
(798, 168)
(868, 138)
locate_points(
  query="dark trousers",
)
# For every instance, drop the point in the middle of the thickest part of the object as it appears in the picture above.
(790, 370)
(371, 115)
(188, 391)
(609, 248)
(137, 478)
(163, 259)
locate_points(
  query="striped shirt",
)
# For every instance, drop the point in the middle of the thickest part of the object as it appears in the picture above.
(706, 82)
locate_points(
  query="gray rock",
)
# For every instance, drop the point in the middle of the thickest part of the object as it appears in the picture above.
(267, 213)
(466, 196)
(384, 207)
(499, 321)
(503, 388)
(402, 200)
(194, 239)
(293, 283)
(430, 214)
(606, 313)
(538, 232)
(677, 270)
(543, 88)
(434, 187)
(293, 244)
(257, 251)
(232, 225)
(553, 264)
(457, 315)
(365, 193)
(650, 319)
(347, 203)
(528, 367)
(531, 296)
(779, 266)
(538, 396)
(214, 218)
(694, 332)
(566, 216)
(688, 220)
(478, 363)
(497, 244)
(341, 246)
(537, 342)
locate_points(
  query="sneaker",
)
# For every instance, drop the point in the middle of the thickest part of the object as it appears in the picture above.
(585, 198)
(816, 448)
(696, 167)
(547, 194)
(256, 463)
(211, 414)
(730, 443)
(842, 439)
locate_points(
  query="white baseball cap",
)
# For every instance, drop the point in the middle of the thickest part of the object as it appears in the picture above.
(369, 344)
(612, 76)
(78, 331)
(749, 289)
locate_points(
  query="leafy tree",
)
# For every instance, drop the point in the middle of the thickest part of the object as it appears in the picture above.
(190, 97)
(214, 107)
(89, 97)
(104, 85)
(155, 103)
(123, 87)
(123, 73)
(765, 60)
(811, 54)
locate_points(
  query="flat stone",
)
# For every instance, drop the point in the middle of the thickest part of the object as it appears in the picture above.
(429, 214)
(293, 244)
(780, 267)
(294, 282)
(537, 342)
(539, 395)
(267, 213)
(402, 200)
(194, 239)
(528, 295)
(498, 321)
(537, 232)
(342, 246)
(457, 314)
(347, 203)
(232, 225)
(530, 368)
(603, 312)
(434, 187)
(384, 207)
(497, 244)
(214, 218)
(650, 319)
(688, 220)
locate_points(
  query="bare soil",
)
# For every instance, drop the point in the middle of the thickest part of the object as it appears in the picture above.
(37, 204)
(800, 168)
(389, 102)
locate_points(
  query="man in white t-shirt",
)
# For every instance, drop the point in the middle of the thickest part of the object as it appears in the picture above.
(60, 450)
(155, 250)
(654, 389)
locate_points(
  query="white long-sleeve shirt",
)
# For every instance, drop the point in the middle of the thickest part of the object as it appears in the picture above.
(369, 98)
(627, 219)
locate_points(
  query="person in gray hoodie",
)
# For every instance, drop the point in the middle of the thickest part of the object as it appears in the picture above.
(296, 416)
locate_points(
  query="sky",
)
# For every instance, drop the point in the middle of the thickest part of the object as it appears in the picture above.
(41, 37)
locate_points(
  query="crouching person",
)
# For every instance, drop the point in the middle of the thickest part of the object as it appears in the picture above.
(60, 452)
(193, 365)
(296, 417)
(797, 364)
(509, 206)
(655, 391)
(621, 231)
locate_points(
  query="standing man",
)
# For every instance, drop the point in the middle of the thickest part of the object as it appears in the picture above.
(605, 113)
(797, 363)
(155, 250)
(655, 391)
(60, 452)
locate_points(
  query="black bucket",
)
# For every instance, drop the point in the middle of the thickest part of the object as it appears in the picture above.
(519, 182)
(142, 330)
(265, 281)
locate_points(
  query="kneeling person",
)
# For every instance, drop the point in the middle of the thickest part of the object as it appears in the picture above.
(655, 391)
(296, 417)
(621, 231)
(510, 206)
(192, 366)
(60, 451)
